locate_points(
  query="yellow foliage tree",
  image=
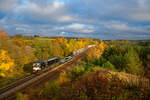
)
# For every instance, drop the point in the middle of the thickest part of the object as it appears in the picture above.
(6, 63)
(62, 79)
(96, 52)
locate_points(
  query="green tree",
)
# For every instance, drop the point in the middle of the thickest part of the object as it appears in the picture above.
(133, 63)
(108, 65)
(117, 61)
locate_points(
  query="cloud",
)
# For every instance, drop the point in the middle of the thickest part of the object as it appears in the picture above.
(57, 4)
(125, 28)
(65, 18)
(76, 27)
(54, 11)
(106, 19)
(131, 10)
(140, 16)
(6, 5)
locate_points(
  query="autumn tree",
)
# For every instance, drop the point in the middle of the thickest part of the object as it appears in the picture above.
(96, 52)
(6, 63)
(17, 49)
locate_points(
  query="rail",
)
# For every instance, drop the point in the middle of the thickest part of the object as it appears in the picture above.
(21, 85)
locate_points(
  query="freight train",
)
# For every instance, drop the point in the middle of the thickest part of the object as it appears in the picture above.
(66, 59)
(77, 52)
(39, 65)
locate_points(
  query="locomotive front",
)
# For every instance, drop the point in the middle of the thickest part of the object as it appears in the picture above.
(36, 66)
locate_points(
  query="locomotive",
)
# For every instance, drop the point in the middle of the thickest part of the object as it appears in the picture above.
(39, 65)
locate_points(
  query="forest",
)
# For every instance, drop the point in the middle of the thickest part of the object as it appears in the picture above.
(117, 70)
(17, 53)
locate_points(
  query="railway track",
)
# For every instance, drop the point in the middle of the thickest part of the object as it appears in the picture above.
(9, 92)
(29, 77)
(14, 84)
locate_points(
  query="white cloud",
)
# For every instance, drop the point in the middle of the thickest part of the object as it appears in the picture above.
(121, 28)
(76, 27)
(92, 16)
(140, 16)
(54, 12)
(6, 5)
(132, 10)
(65, 18)
(141, 11)
(57, 4)
(142, 3)
(54, 8)
(87, 31)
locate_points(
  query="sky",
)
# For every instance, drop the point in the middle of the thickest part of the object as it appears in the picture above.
(100, 19)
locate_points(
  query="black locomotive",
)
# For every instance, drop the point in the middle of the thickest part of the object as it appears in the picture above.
(39, 65)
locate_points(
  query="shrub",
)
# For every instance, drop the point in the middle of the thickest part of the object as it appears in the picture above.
(108, 65)
(21, 96)
(62, 79)
(117, 61)
(51, 89)
(76, 72)
(99, 61)
(83, 96)
(28, 67)
(117, 98)
(133, 63)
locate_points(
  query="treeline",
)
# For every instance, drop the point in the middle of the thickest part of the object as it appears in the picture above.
(126, 57)
(18, 51)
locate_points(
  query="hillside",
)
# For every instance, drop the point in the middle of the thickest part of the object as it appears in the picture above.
(115, 72)
(93, 84)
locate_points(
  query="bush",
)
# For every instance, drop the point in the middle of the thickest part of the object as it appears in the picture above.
(76, 72)
(83, 96)
(117, 61)
(63, 78)
(100, 61)
(51, 89)
(133, 63)
(21, 96)
(108, 65)
(28, 68)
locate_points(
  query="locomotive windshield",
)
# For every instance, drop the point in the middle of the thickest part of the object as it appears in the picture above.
(36, 64)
